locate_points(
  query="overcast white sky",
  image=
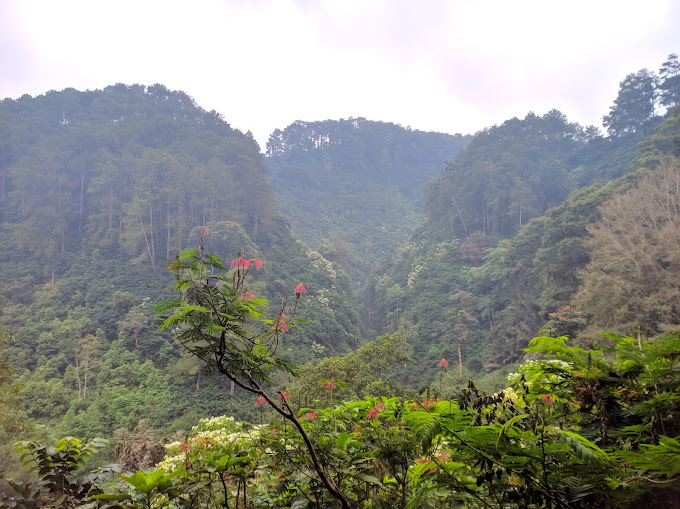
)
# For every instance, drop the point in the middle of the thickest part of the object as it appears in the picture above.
(437, 65)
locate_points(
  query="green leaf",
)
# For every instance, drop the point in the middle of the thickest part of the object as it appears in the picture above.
(341, 440)
(510, 424)
(367, 478)
(584, 448)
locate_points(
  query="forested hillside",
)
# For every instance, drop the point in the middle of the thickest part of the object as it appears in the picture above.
(507, 240)
(141, 240)
(352, 187)
(98, 191)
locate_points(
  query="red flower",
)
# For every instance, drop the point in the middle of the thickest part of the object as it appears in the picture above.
(283, 325)
(283, 395)
(240, 263)
(258, 263)
(443, 363)
(372, 414)
(261, 401)
(547, 399)
(299, 290)
(329, 385)
(310, 415)
(379, 406)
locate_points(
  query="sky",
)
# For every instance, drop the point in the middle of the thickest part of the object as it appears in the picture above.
(453, 66)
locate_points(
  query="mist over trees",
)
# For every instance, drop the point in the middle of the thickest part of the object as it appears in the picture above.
(333, 300)
(352, 187)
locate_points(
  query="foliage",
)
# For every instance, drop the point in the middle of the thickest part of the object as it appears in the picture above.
(507, 175)
(566, 321)
(633, 108)
(13, 419)
(669, 85)
(360, 374)
(138, 449)
(522, 279)
(217, 321)
(57, 468)
(634, 248)
(575, 428)
(352, 187)
(97, 190)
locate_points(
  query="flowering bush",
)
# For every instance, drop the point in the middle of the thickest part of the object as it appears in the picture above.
(567, 321)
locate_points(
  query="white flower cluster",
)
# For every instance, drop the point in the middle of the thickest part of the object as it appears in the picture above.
(530, 364)
(325, 301)
(514, 378)
(535, 365)
(221, 422)
(414, 275)
(319, 262)
(217, 433)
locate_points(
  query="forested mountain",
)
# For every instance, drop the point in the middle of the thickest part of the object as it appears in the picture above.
(98, 190)
(352, 187)
(494, 263)
(535, 227)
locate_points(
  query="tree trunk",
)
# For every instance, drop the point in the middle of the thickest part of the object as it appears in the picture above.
(77, 371)
(460, 362)
(167, 242)
(148, 247)
(85, 380)
(460, 215)
(151, 230)
(82, 193)
(110, 210)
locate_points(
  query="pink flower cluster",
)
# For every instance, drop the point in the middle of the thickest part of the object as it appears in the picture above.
(567, 313)
(373, 412)
(242, 263)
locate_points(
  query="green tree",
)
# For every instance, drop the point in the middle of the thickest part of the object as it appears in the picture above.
(633, 108)
(362, 373)
(58, 471)
(135, 322)
(13, 420)
(86, 361)
(220, 324)
(669, 83)
(635, 249)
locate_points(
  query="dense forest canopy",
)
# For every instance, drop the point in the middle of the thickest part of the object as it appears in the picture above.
(352, 187)
(122, 314)
(99, 190)
(504, 242)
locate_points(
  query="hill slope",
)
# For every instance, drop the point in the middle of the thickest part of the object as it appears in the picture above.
(479, 278)
(352, 187)
(98, 190)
